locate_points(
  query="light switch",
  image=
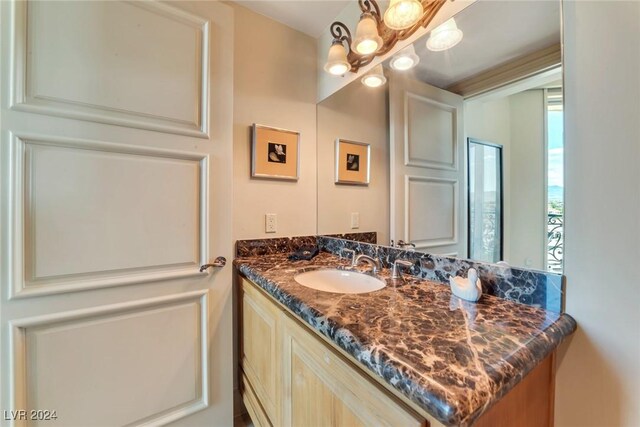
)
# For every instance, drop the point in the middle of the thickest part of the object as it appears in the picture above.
(355, 220)
(270, 223)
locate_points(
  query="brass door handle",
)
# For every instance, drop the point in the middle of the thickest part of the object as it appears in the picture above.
(219, 262)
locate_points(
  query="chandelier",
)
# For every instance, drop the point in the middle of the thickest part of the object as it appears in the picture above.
(377, 34)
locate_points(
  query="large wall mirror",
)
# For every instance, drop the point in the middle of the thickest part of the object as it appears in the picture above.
(466, 147)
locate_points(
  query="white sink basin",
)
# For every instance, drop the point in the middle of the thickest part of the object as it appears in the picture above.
(339, 281)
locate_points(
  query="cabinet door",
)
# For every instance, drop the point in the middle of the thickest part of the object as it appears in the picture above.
(321, 389)
(260, 348)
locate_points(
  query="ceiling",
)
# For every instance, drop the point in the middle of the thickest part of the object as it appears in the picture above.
(311, 17)
(495, 32)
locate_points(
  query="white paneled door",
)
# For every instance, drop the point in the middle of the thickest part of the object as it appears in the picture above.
(426, 171)
(115, 168)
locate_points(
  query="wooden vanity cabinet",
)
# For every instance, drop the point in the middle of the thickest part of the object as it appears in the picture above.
(290, 377)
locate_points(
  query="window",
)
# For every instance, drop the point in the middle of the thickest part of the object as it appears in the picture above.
(555, 180)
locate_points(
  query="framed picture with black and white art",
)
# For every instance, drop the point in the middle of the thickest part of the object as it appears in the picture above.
(352, 162)
(274, 153)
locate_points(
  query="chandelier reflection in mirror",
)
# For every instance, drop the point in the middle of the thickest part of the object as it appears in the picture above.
(377, 34)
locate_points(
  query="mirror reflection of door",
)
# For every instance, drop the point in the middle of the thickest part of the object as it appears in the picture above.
(485, 201)
(426, 167)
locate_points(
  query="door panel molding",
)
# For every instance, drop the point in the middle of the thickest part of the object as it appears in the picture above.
(103, 315)
(20, 221)
(426, 162)
(426, 114)
(25, 96)
(430, 243)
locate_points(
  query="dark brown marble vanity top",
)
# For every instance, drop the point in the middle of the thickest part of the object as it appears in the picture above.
(450, 357)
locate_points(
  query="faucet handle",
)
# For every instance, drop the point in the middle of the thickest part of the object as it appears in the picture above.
(403, 244)
(353, 255)
(395, 271)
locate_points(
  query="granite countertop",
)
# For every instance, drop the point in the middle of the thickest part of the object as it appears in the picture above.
(450, 357)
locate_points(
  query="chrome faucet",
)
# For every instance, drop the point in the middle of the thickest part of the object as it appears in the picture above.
(395, 271)
(373, 263)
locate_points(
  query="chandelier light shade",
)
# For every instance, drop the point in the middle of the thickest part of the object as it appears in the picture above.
(367, 39)
(444, 36)
(337, 62)
(376, 36)
(405, 59)
(375, 77)
(403, 14)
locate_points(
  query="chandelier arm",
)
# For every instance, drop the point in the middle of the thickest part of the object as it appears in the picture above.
(371, 6)
(340, 33)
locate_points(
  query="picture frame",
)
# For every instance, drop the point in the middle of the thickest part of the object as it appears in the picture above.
(275, 153)
(353, 162)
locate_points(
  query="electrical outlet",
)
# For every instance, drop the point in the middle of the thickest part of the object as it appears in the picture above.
(270, 223)
(355, 220)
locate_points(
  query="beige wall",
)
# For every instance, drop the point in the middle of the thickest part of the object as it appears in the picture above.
(356, 113)
(598, 377)
(517, 123)
(274, 85)
(527, 228)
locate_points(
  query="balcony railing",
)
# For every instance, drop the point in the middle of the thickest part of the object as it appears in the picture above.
(555, 246)
(487, 249)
